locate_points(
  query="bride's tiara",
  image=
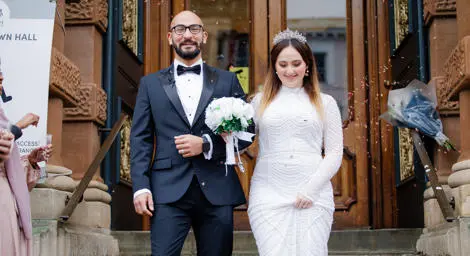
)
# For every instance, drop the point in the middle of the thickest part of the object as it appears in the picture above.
(288, 35)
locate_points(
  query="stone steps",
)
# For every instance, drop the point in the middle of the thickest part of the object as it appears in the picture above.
(52, 238)
(355, 253)
(374, 242)
(384, 253)
(384, 242)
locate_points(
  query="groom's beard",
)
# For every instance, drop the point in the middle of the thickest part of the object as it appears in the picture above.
(187, 55)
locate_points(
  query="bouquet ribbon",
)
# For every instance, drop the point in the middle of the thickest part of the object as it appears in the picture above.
(231, 145)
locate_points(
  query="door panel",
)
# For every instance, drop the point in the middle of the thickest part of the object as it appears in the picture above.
(344, 183)
(406, 42)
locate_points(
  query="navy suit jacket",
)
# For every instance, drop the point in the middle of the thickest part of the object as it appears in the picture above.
(159, 117)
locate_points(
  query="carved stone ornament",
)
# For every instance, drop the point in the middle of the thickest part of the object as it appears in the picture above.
(401, 20)
(64, 78)
(433, 8)
(406, 154)
(442, 93)
(130, 15)
(88, 12)
(457, 70)
(125, 172)
(91, 105)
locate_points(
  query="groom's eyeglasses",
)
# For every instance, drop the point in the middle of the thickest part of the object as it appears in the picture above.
(181, 29)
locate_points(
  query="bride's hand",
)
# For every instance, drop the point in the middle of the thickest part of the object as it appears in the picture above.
(302, 202)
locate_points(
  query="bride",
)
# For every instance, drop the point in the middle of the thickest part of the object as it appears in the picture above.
(291, 197)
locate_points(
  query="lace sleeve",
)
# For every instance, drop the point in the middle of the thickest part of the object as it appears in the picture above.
(333, 143)
(255, 102)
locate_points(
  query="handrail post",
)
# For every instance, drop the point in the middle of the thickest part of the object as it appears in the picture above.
(82, 186)
(439, 192)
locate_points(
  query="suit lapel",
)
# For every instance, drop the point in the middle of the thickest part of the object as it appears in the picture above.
(168, 80)
(210, 79)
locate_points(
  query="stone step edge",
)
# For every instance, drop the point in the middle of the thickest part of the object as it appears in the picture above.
(368, 252)
(372, 254)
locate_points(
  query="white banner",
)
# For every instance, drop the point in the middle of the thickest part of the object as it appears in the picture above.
(26, 28)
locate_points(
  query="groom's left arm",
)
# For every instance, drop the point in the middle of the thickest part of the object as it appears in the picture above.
(217, 142)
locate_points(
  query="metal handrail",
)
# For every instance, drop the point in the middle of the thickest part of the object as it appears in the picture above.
(439, 192)
(77, 195)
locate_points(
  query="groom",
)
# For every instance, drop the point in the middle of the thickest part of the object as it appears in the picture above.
(183, 182)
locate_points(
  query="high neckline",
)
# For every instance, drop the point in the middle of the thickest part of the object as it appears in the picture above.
(295, 90)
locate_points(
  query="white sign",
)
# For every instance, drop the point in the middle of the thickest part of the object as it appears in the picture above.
(26, 28)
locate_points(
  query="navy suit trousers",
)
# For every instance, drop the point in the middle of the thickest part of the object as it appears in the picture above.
(212, 225)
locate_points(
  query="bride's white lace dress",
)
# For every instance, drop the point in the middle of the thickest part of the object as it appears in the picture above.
(291, 136)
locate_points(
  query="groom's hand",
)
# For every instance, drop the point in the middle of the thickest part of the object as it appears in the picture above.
(188, 145)
(143, 204)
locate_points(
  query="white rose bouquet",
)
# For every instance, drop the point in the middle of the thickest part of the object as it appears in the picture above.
(232, 116)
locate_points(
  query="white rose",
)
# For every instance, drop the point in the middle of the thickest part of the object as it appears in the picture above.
(244, 122)
(238, 109)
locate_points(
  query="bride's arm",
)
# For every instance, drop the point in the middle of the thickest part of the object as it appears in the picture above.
(333, 143)
(255, 102)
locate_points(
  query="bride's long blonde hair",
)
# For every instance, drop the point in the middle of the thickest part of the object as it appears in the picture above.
(273, 84)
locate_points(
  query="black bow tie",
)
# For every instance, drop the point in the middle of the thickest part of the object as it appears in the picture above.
(182, 69)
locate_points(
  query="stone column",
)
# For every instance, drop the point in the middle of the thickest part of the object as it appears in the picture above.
(85, 24)
(48, 198)
(461, 89)
(440, 18)
(452, 80)
(63, 84)
(454, 92)
(64, 81)
(463, 18)
(457, 84)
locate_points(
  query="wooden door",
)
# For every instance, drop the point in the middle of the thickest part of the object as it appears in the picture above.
(240, 36)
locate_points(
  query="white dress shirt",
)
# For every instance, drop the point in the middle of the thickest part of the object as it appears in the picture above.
(189, 87)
